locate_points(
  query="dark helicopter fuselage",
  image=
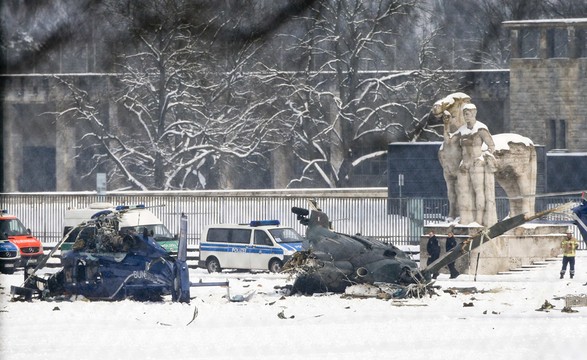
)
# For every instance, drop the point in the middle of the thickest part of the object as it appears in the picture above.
(335, 261)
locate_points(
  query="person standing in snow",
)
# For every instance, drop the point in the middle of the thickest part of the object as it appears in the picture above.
(451, 242)
(569, 245)
(433, 250)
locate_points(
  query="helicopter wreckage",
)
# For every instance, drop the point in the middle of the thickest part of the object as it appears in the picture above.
(106, 264)
(336, 262)
(110, 265)
(332, 262)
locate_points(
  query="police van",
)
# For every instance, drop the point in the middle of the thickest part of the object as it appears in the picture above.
(259, 245)
(136, 218)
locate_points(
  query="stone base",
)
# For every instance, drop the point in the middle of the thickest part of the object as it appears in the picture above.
(521, 246)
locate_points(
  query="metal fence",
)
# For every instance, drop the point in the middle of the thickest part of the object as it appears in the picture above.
(366, 211)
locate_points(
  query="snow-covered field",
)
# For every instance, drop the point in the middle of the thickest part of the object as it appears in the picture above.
(502, 323)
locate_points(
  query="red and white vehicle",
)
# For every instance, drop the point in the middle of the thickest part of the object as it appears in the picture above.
(12, 229)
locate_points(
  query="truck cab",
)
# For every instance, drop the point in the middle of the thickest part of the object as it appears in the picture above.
(13, 230)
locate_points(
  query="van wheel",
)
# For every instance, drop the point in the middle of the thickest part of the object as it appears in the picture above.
(275, 265)
(213, 265)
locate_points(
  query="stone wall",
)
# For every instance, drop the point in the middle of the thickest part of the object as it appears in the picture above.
(542, 90)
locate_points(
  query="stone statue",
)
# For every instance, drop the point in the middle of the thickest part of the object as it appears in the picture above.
(476, 185)
(449, 154)
(514, 161)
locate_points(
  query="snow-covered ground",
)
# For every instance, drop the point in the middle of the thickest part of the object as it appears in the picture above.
(502, 323)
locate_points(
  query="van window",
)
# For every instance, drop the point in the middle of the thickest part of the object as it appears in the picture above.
(158, 231)
(286, 235)
(236, 236)
(261, 238)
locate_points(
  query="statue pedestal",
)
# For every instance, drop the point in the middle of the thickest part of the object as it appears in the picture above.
(521, 246)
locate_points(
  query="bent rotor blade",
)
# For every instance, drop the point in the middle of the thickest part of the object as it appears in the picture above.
(486, 235)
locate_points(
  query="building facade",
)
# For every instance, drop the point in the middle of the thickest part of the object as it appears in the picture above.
(543, 96)
(548, 82)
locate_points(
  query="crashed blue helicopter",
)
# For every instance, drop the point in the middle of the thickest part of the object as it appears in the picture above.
(109, 265)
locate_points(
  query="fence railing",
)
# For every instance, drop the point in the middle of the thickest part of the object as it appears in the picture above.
(366, 211)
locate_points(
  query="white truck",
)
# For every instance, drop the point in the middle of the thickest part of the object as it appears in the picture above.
(136, 218)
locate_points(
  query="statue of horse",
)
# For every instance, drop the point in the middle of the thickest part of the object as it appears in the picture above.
(515, 159)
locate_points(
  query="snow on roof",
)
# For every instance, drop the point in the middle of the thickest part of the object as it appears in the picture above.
(544, 22)
(566, 154)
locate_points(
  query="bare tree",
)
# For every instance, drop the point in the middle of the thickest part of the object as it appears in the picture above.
(181, 113)
(349, 103)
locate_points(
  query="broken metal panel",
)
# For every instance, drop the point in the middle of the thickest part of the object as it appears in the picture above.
(576, 300)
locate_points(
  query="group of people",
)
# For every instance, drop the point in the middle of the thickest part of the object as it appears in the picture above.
(433, 249)
(568, 245)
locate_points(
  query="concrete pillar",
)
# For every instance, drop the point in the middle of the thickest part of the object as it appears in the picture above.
(543, 44)
(572, 43)
(515, 43)
(12, 149)
(64, 155)
(282, 171)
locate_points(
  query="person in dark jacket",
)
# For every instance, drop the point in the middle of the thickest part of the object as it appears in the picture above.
(451, 242)
(433, 250)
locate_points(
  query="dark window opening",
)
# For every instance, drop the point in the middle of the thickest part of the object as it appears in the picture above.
(557, 134)
(529, 43)
(562, 134)
(581, 42)
(38, 169)
(557, 43)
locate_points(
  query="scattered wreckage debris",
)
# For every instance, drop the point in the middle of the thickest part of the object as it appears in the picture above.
(469, 290)
(464, 290)
(576, 300)
(568, 309)
(331, 261)
(194, 316)
(493, 312)
(570, 300)
(387, 291)
(281, 315)
(546, 306)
